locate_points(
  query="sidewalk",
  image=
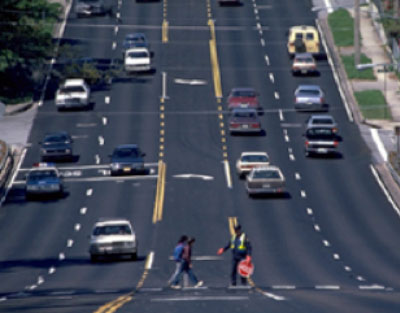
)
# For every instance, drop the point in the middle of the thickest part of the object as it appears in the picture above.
(388, 83)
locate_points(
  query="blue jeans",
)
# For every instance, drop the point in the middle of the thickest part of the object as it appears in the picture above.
(185, 268)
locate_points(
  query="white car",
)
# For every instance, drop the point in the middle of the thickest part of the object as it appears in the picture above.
(137, 59)
(113, 237)
(74, 93)
(249, 160)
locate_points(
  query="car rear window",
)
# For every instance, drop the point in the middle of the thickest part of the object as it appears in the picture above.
(56, 138)
(322, 121)
(320, 132)
(255, 158)
(266, 174)
(298, 35)
(310, 36)
(244, 114)
(36, 175)
(309, 92)
(244, 93)
(112, 230)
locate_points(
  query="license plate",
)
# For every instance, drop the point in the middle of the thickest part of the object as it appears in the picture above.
(322, 150)
(266, 185)
(303, 71)
(127, 169)
(243, 105)
(245, 126)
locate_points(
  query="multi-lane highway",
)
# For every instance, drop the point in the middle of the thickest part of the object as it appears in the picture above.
(330, 245)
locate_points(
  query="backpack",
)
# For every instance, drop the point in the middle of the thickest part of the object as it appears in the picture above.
(178, 252)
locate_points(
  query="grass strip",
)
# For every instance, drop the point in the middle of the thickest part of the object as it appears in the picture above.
(373, 104)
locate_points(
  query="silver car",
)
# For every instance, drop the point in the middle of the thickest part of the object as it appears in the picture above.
(91, 7)
(112, 237)
(309, 98)
(322, 120)
(265, 180)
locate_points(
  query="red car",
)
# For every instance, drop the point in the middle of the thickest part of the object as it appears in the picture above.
(246, 98)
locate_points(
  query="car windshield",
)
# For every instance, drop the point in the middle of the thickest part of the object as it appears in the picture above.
(56, 138)
(244, 93)
(309, 92)
(126, 152)
(69, 89)
(42, 174)
(270, 174)
(88, 1)
(259, 158)
(112, 230)
(244, 114)
(138, 54)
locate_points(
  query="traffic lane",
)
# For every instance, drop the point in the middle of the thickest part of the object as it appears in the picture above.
(195, 13)
(112, 277)
(84, 130)
(316, 273)
(357, 219)
(40, 229)
(354, 300)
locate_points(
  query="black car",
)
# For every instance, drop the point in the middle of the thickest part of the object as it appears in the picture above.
(85, 8)
(127, 159)
(56, 146)
(321, 141)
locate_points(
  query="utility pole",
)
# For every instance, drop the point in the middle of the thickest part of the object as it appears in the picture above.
(356, 32)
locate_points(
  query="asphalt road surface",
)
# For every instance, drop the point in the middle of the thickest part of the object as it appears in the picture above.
(331, 244)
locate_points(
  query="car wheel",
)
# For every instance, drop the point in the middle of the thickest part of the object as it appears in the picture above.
(134, 256)
(94, 258)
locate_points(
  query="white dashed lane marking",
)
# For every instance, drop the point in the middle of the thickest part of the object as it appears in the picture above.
(276, 95)
(326, 243)
(114, 45)
(336, 256)
(107, 99)
(61, 256)
(104, 120)
(101, 140)
(262, 42)
(97, 159)
(347, 268)
(52, 270)
(309, 211)
(297, 176)
(281, 118)
(303, 194)
(115, 30)
(267, 59)
(70, 243)
(83, 210)
(271, 77)
(317, 228)
(89, 192)
(77, 227)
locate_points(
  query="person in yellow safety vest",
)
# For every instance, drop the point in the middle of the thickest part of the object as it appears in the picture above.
(241, 249)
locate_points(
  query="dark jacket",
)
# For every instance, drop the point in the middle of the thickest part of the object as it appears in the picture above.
(238, 253)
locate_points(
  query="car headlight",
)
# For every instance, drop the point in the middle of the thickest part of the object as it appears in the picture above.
(115, 166)
(129, 244)
(67, 150)
(54, 187)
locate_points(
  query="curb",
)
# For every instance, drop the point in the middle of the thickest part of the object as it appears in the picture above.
(22, 107)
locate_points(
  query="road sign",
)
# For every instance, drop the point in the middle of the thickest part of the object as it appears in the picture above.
(245, 268)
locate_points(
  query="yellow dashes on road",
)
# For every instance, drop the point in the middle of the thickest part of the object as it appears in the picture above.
(160, 192)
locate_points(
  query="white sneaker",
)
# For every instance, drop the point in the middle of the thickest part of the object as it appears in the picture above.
(175, 286)
(199, 284)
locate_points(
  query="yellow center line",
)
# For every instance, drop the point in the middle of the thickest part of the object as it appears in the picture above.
(165, 31)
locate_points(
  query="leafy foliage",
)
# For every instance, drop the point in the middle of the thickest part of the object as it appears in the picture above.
(26, 40)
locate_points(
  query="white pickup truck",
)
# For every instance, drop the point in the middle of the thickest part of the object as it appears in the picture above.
(74, 93)
(137, 60)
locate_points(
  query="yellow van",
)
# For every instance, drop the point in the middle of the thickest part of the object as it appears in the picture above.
(303, 39)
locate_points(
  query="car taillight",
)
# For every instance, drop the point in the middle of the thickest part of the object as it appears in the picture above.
(255, 125)
(322, 100)
(307, 143)
(336, 143)
(334, 130)
(234, 125)
(295, 100)
(291, 44)
(295, 68)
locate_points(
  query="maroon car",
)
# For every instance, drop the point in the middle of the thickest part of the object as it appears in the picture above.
(244, 121)
(243, 98)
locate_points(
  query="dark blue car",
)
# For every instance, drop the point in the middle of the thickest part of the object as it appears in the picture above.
(127, 159)
(56, 146)
(43, 181)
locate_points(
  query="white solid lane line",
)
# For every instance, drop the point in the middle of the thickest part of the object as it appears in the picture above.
(149, 261)
(40, 280)
(227, 174)
(379, 144)
(388, 196)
